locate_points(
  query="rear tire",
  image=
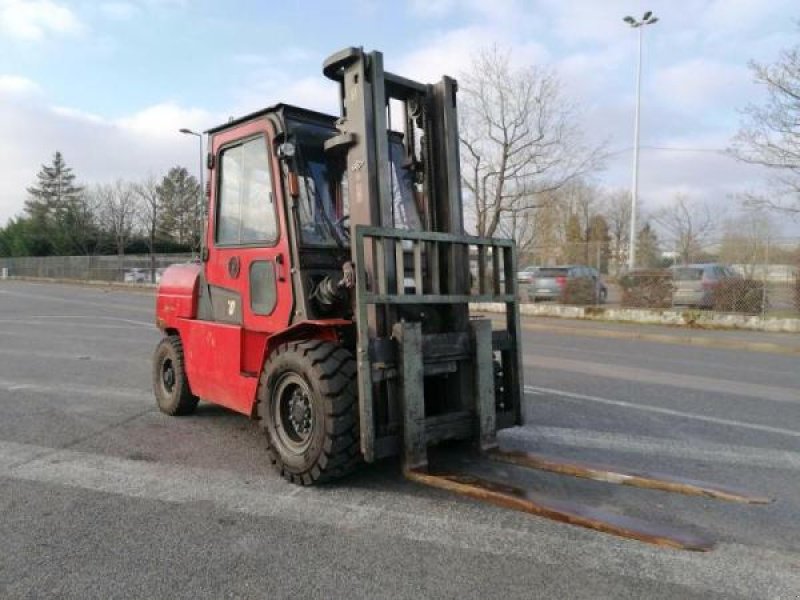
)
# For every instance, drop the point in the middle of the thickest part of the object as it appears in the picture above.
(307, 402)
(170, 384)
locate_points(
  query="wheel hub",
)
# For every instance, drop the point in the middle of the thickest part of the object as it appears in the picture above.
(293, 412)
(168, 375)
(300, 412)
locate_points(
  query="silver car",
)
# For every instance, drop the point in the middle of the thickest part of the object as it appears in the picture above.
(549, 282)
(694, 285)
(527, 275)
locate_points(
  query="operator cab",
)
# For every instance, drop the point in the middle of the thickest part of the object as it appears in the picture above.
(277, 194)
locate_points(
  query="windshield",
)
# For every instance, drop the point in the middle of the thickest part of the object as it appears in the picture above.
(687, 274)
(552, 272)
(323, 205)
(405, 213)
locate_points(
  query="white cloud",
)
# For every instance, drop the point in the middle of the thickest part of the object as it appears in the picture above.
(746, 15)
(451, 53)
(34, 20)
(18, 86)
(79, 115)
(163, 120)
(271, 86)
(699, 84)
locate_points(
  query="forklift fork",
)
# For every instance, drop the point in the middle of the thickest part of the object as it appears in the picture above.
(416, 467)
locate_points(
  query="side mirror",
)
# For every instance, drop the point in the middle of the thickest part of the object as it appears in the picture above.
(286, 150)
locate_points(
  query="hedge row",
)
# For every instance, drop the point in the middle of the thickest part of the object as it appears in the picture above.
(647, 289)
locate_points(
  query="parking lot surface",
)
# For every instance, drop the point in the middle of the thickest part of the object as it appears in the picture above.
(102, 496)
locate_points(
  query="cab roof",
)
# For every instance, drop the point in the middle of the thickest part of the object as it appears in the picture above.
(287, 110)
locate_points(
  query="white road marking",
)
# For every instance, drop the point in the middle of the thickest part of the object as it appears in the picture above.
(662, 411)
(37, 322)
(150, 324)
(698, 450)
(691, 382)
(120, 339)
(72, 390)
(69, 356)
(86, 303)
(731, 570)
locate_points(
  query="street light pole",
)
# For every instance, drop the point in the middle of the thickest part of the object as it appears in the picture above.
(199, 206)
(647, 19)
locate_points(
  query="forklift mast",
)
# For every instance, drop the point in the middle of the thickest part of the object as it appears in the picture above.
(426, 370)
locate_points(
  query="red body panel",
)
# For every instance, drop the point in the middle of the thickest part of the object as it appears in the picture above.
(177, 295)
(212, 352)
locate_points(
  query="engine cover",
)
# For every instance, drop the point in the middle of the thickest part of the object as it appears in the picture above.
(177, 294)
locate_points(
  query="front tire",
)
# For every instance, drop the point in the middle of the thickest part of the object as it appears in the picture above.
(170, 384)
(308, 409)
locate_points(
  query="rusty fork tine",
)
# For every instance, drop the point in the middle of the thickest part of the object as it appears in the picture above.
(509, 496)
(641, 479)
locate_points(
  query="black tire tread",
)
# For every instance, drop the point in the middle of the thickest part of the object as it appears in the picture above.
(187, 401)
(334, 369)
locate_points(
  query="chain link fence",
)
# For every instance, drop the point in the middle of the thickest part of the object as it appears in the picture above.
(137, 269)
(760, 278)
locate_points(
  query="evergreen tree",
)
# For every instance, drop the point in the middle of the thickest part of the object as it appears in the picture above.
(60, 219)
(180, 213)
(648, 251)
(55, 189)
(19, 238)
(574, 247)
(599, 243)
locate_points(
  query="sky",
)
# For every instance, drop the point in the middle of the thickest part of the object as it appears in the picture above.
(109, 84)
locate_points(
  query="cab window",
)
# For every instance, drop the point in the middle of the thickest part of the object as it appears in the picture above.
(245, 208)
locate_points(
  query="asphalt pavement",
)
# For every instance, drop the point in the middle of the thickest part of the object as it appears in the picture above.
(102, 496)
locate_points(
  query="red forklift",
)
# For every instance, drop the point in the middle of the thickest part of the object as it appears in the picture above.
(332, 301)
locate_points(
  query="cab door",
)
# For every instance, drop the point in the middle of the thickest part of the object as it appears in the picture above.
(248, 259)
(245, 293)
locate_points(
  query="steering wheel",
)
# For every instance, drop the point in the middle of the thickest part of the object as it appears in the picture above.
(339, 224)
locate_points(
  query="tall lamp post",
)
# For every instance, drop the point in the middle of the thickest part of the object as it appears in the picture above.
(198, 208)
(647, 19)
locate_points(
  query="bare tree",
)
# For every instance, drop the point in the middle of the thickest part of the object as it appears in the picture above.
(617, 210)
(770, 134)
(579, 205)
(148, 215)
(521, 139)
(687, 224)
(537, 233)
(746, 240)
(117, 206)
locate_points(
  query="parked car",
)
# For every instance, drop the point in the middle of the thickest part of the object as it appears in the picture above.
(549, 282)
(527, 275)
(139, 275)
(694, 285)
(135, 276)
